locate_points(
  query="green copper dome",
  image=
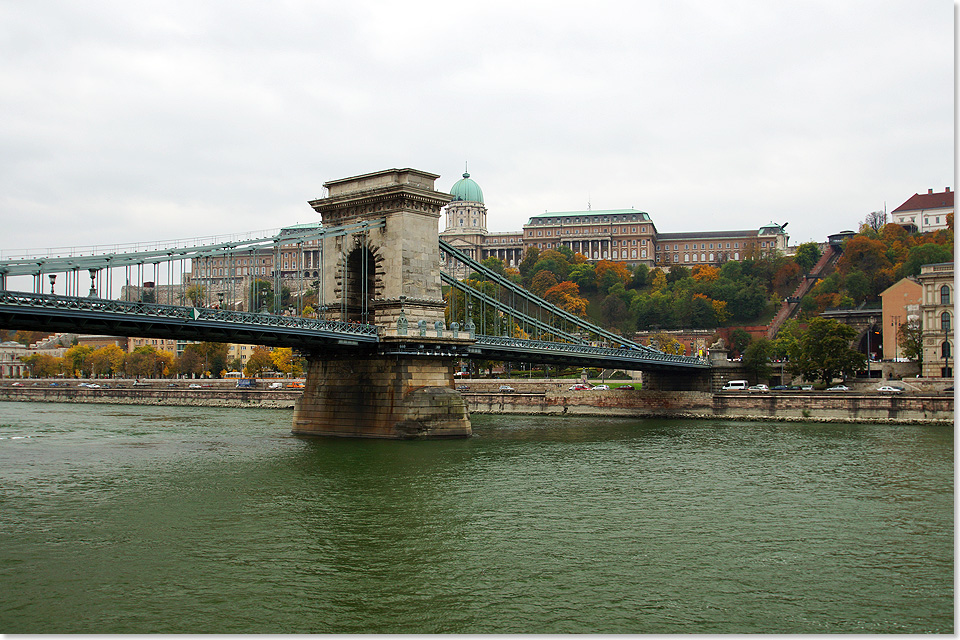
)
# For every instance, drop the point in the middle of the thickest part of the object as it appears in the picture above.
(466, 190)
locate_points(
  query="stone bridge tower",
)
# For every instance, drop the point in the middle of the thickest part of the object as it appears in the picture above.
(388, 275)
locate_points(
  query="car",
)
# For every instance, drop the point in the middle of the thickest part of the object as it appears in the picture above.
(172, 384)
(758, 388)
(194, 386)
(779, 387)
(839, 387)
(505, 388)
(601, 387)
(17, 384)
(578, 387)
(462, 387)
(275, 385)
(93, 385)
(806, 387)
(628, 387)
(295, 385)
(888, 389)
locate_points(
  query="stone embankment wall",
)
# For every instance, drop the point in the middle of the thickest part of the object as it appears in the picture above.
(273, 399)
(812, 406)
(555, 399)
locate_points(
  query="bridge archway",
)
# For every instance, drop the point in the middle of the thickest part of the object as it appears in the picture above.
(359, 282)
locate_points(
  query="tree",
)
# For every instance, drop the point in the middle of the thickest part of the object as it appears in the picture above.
(191, 361)
(76, 358)
(197, 294)
(566, 295)
(876, 220)
(258, 362)
(824, 353)
(910, 340)
(667, 344)
(614, 309)
(807, 256)
(739, 340)
(609, 273)
(106, 360)
(925, 254)
(857, 285)
(756, 358)
(43, 365)
(282, 359)
(542, 281)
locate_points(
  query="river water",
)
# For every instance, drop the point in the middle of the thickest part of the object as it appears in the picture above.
(198, 520)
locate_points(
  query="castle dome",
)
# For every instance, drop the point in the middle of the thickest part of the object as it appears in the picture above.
(466, 190)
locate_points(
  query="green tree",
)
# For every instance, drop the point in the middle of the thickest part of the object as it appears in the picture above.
(910, 340)
(756, 358)
(807, 256)
(925, 254)
(740, 339)
(824, 352)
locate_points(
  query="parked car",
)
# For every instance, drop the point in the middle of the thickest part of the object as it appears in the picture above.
(888, 389)
(193, 386)
(17, 384)
(246, 383)
(735, 385)
(295, 385)
(779, 387)
(505, 388)
(758, 388)
(626, 386)
(579, 387)
(601, 387)
(839, 387)
(462, 387)
(275, 385)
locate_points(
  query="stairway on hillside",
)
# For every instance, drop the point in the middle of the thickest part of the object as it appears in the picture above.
(792, 303)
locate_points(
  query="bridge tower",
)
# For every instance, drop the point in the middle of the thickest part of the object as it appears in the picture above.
(388, 275)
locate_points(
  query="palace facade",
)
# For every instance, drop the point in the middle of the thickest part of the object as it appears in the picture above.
(623, 235)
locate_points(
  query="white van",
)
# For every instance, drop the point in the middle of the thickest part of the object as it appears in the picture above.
(735, 385)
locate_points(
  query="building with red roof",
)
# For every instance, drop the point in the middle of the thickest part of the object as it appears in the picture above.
(924, 212)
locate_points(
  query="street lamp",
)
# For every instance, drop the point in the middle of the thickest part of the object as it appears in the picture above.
(53, 278)
(869, 331)
(895, 325)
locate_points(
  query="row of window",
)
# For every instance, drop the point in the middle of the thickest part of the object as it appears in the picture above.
(596, 230)
(592, 220)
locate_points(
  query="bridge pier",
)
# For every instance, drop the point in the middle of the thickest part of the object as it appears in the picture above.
(381, 396)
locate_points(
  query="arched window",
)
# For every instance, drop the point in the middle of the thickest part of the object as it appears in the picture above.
(945, 294)
(945, 350)
(945, 321)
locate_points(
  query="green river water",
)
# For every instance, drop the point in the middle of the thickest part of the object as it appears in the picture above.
(131, 519)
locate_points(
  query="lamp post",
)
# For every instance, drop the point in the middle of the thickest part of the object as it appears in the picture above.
(869, 331)
(895, 325)
(53, 279)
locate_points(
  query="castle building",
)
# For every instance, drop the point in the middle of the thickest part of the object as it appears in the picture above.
(924, 212)
(623, 235)
(936, 318)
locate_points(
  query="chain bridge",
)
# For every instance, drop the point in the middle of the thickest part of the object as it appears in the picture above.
(390, 323)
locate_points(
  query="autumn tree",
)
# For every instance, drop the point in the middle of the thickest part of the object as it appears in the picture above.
(106, 360)
(542, 281)
(76, 358)
(566, 295)
(756, 358)
(44, 365)
(258, 362)
(667, 344)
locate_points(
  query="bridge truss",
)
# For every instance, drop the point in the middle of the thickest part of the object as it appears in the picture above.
(503, 320)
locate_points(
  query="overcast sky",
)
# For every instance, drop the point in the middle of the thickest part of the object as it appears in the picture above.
(126, 121)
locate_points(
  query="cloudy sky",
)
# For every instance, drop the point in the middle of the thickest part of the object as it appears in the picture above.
(137, 120)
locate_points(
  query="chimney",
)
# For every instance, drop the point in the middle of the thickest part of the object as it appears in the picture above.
(946, 189)
(929, 191)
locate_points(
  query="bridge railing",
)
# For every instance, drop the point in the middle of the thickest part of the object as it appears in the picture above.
(147, 310)
(621, 353)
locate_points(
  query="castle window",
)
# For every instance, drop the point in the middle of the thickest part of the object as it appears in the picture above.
(945, 294)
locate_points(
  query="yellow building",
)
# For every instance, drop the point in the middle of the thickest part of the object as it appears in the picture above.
(936, 316)
(901, 304)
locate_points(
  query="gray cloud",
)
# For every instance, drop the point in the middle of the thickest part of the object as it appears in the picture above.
(128, 121)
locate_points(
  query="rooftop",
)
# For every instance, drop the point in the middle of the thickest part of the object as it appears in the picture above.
(643, 215)
(928, 200)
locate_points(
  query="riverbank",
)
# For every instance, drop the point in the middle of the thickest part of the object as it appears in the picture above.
(554, 398)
